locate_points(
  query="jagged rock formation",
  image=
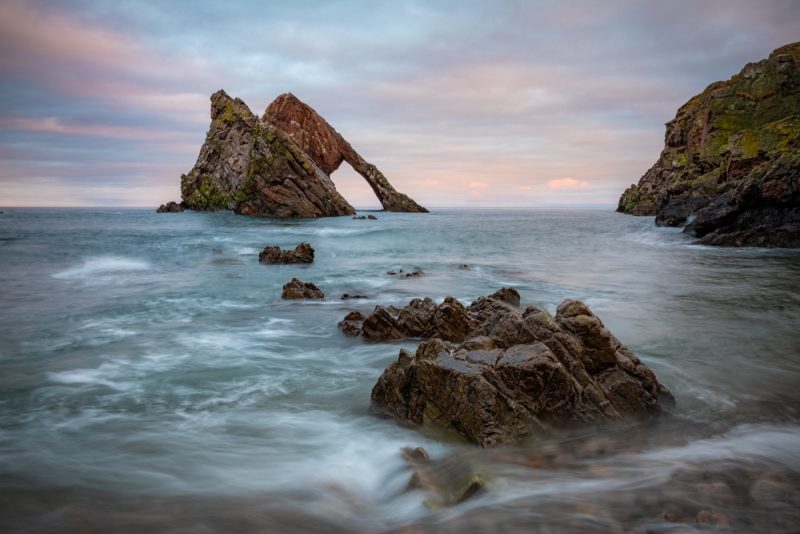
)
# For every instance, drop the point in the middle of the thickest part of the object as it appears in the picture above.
(495, 373)
(302, 253)
(730, 167)
(254, 167)
(328, 148)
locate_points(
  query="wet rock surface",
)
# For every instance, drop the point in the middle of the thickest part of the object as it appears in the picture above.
(730, 168)
(297, 289)
(495, 373)
(302, 253)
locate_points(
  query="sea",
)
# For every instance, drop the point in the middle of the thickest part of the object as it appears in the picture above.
(152, 379)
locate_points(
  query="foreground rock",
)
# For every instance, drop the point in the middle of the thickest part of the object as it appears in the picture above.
(303, 253)
(297, 289)
(731, 162)
(495, 373)
(274, 166)
(169, 207)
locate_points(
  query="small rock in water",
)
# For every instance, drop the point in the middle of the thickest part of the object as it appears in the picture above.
(351, 324)
(170, 207)
(303, 253)
(464, 267)
(365, 217)
(418, 272)
(297, 289)
(348, 296)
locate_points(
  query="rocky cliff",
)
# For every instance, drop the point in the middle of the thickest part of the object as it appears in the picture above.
(276, 167)
(730, 168)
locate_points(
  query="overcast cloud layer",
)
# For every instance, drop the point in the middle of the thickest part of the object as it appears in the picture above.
(459, 103)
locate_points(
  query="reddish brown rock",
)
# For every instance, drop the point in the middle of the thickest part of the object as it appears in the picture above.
(351, 324)
(302, 253)
(495, 373)
(276, 167)
(297, 289)
(329, 149)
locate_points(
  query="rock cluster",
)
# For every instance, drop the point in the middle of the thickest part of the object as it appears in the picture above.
(494, 372)
(302, 253)
(278, 165)
(730, 168)
(170, 207)
(297, 289)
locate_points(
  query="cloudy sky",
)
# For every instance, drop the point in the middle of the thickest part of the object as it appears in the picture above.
(462, 103)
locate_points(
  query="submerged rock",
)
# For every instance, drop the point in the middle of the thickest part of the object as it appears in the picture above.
(730, 167)
(352, 296)
(297, 289)
(303, 253)
(169, 207)
(449, 481)
(495, 373)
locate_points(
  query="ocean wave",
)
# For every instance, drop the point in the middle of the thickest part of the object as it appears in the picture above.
(103, 265)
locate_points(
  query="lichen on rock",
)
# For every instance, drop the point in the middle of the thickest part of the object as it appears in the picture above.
(731, 160)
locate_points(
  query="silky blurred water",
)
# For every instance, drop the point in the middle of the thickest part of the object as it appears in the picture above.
(151, 376)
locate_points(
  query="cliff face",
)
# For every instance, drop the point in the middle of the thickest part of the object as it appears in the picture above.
(730, 167)
(257, 167)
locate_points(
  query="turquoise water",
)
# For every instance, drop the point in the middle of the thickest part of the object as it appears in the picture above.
(150, 375)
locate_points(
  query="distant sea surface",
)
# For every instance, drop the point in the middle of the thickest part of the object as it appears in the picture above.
(152, 378)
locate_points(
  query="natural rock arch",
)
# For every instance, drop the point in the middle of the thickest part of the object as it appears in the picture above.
(277, 165)
(329, 149)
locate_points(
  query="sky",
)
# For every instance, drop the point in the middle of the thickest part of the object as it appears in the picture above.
(459, 103)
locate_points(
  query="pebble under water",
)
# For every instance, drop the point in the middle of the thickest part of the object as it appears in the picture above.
(152, 378)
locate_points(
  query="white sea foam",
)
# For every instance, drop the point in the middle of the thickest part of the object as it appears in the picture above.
(102, 266)
(99, 376)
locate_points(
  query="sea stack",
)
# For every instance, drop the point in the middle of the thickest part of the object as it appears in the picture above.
(730, 168)
(277, 165)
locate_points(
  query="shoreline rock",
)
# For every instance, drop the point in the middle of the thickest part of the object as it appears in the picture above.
(730, 167)
(171, 207)
(494, 373)
(296, 289)
(302, 253)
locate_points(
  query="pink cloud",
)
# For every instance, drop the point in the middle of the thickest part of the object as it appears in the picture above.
(567, 183)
